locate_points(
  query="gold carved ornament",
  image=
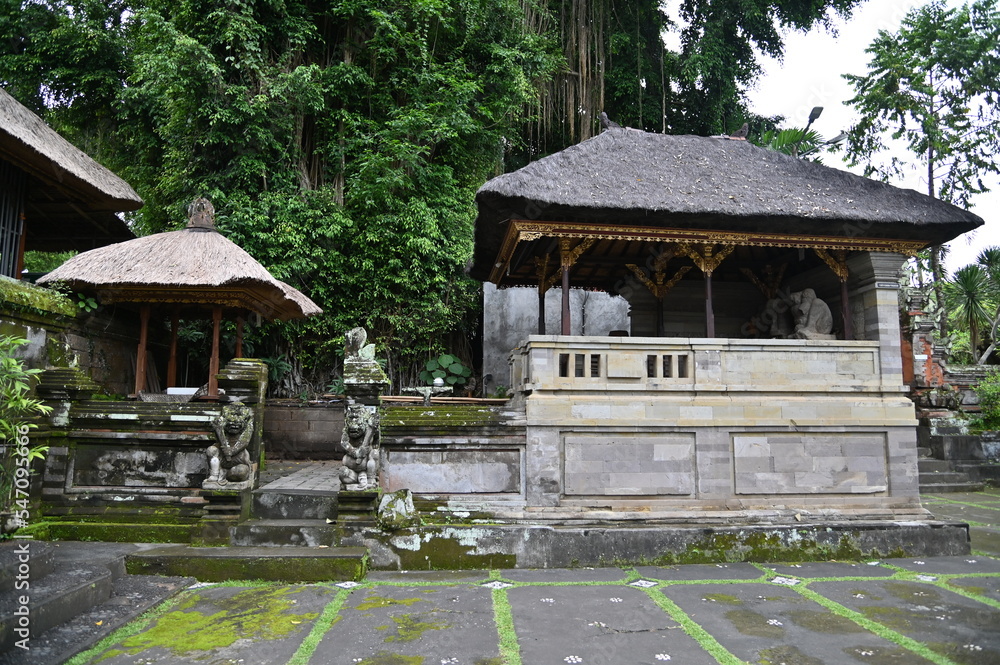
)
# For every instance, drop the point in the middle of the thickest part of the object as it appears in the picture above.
(771, 281)
(545, 280)
(658, 288)
(705, 256)
(569, 256)
(837, 262)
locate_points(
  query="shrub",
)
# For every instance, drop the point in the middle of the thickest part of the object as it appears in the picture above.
(17, 409)
(988, 391)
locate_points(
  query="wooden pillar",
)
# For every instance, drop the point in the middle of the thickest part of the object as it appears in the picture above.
(567, 328)
(707, 260)
(541, 310)
(545, 282)
(213, 365)
(239, 336)
(140, 356)
(19, 267)
(567, 257)
(836, 260)
(845, 311)
(709, 309)
(172, 362)
(658, 284)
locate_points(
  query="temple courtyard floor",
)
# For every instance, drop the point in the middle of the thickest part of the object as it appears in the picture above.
(939, 610)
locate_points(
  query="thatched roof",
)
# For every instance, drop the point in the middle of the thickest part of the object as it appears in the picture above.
(196, 265)
(630, 177)
(71, 199)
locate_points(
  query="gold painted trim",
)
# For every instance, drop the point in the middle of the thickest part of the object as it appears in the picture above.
(520, 230)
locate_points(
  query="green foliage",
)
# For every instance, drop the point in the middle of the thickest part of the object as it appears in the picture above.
(446, 367)
(720, 49)
(988, 391)
(972, 296)
(35, 261)
(342, 143)
(933, 85)
(86, 303)
(17, 409)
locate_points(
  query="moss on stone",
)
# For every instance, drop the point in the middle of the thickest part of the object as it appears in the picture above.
(383, 658)
(786, 655)
(764, 547)
(752, 623)
(374, 602)
(724, 598)
(120, 532)
(824, 622)
(443, 553)
(31, 297)
(257, 613)
(410, 627)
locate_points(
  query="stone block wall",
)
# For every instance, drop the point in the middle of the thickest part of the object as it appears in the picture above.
(102, 344)
(293, 430)
(741, 425)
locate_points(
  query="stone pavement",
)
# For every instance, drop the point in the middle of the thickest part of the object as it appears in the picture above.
(939, 610)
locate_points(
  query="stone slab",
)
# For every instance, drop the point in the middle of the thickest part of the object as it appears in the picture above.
(701, 571)
(550, 575)
(396, 624)
(949, 565)
(956, 627)
(453, 471)
(218, 564)
(769, 623)
(596, 625)
(629, 464)
(988, 587)
(131, 595)
(264, 624)
(818, 569)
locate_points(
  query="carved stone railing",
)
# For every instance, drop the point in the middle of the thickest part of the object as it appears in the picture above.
(613, 364)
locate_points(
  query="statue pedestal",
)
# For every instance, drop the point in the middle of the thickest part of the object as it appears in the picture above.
(364, 381)
(357, 507)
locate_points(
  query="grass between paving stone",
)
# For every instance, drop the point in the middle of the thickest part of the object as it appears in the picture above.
(692, 628)
(325, 621)
(966, 503)
(872, 626)
(503, 616)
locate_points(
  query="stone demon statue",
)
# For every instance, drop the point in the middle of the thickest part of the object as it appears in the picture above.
(361, 449)
(229, 460)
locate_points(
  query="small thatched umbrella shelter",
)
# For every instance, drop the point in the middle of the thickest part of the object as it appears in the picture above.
(583, 215)
(53, 196)
(196, 266)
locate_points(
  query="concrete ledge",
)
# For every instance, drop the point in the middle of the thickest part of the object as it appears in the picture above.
(563, 546)
(218, 564)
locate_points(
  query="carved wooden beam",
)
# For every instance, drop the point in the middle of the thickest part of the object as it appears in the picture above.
(770, 282)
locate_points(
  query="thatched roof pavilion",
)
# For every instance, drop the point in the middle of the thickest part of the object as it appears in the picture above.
(600, 205)
(69, 201)
(194, 267)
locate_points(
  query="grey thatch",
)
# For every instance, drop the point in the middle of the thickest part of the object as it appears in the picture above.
(24, 135)
(70, 201)
(631, 177)
(192, 259)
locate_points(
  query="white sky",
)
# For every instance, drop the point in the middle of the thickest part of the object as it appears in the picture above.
(810, 75)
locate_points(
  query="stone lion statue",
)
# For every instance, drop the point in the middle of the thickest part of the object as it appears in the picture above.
(812, 316)
(229, 460)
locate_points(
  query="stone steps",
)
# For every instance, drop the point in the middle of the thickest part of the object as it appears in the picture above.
(284, 532)
(278, 564)
(76, 594)
(940, 476)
